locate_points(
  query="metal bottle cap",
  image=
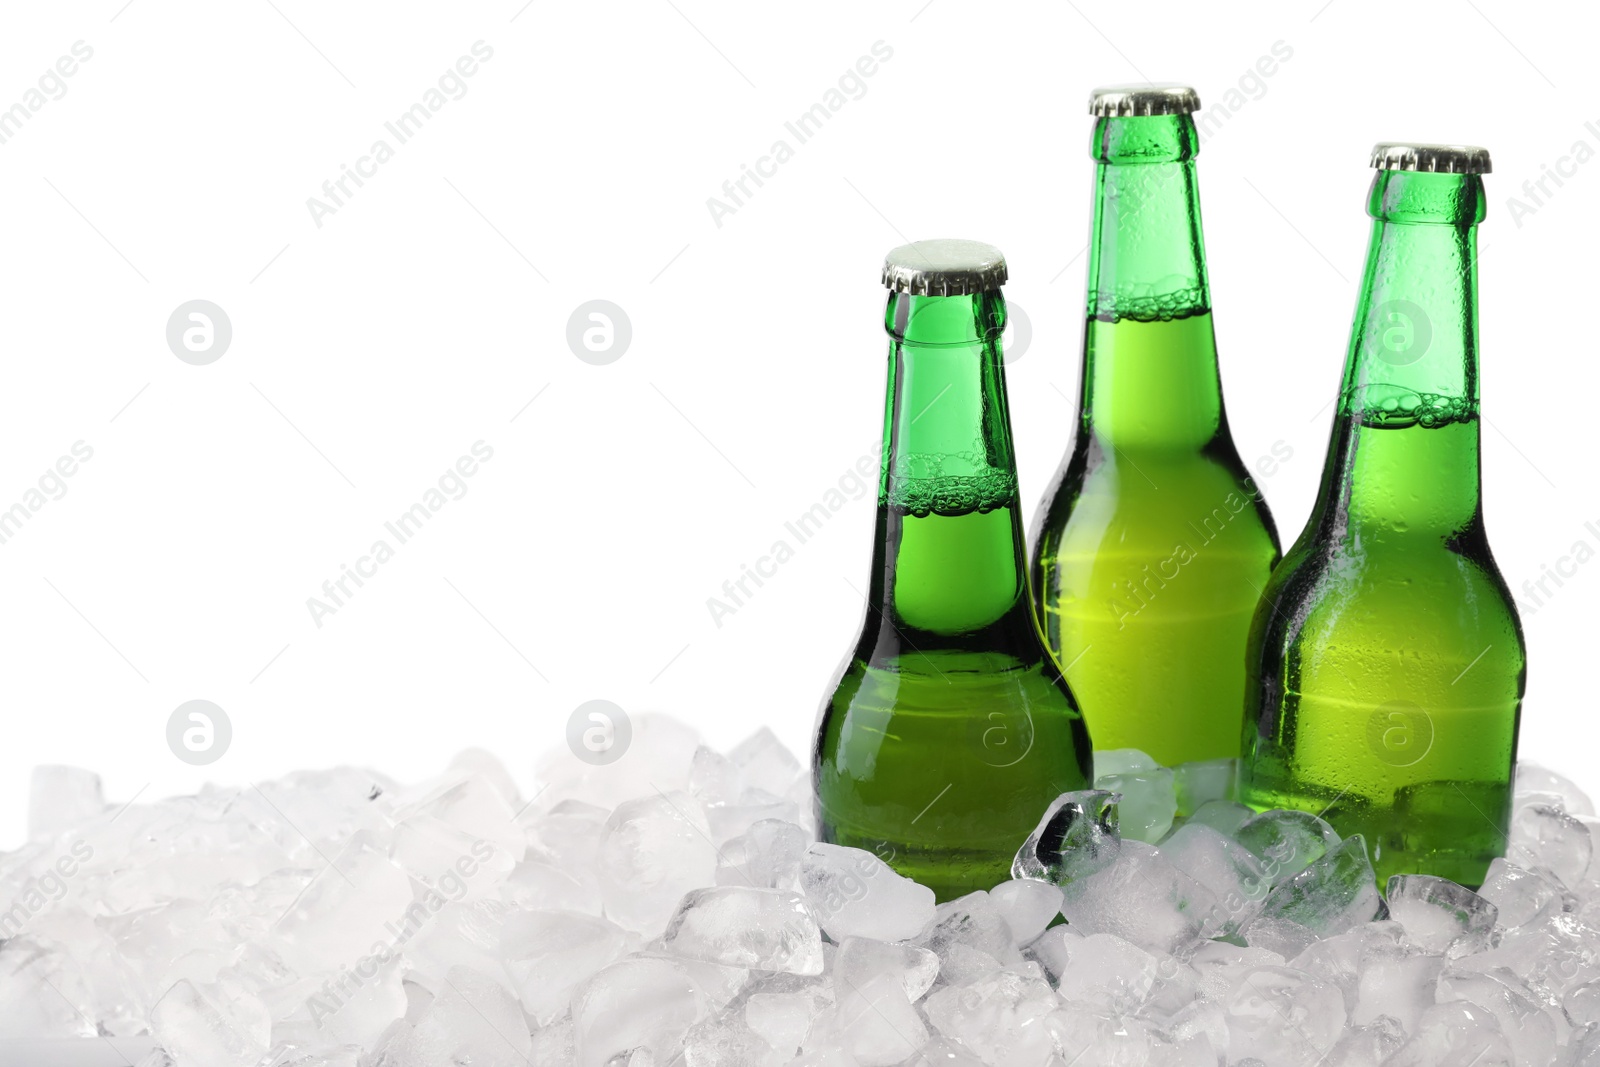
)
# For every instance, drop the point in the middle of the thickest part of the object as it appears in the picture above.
(1141, 100)
(945, 267)
(1433, 158)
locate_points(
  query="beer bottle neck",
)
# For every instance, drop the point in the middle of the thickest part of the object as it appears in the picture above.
(1150, 367)
(949, 557)
(1407, 428)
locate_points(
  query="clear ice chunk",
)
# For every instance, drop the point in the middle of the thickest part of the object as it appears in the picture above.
(1287, 842)
(764, 929)
(856, 894)
(1436, 912)
(653, 850)
(1077, 836)
(1142, 898)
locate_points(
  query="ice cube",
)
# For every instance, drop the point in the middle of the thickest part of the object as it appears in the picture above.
(536, 884)
(1530, 1032)
(654, 849)
(658, 755)
(637, 1002)
(1545, 836)
(764, 762)
(859, 960)
(1521, 895)
(1437, 911)
(349, 907)
(1141, 898)
(1455, 1033)
(729, 821)
(971, 938)
(939, 1053)
(1341, 959)
(1399, 988)
(1283, 1017)
(475, 1020)
(567, 834)
(727, 1041)
(1287, 842)
(354, 1008)
(1106, 973)
(1000, 1017)
(766, 929)
(479, 763)
(766, 856)
(856, 894)
(1122, 761)
(1027, 905)
(41, 993)
(220, 1025)
(783, 1016)
(1223, 816)
(548, 953)
(1148, 804)
(1539, 785)
(714, 779)
(1231, 872)
(1369, 1045)
(470, 802)
(1582, 1005)
(61, 799)
(449, 860)
(1329, 897)
(1205, 782)
(875, 1023)
(1077, 836)
(1219, 966)
(1085, 1037)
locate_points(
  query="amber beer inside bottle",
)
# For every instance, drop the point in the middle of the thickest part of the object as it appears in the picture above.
(949, 728)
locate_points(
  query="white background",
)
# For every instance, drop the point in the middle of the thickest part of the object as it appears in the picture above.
(421, 317)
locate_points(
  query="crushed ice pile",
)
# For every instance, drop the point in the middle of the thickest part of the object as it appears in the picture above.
(674, 908)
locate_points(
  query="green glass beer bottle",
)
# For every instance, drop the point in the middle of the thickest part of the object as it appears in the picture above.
(1386, 657)
(949, 729)
(1153, 543)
